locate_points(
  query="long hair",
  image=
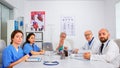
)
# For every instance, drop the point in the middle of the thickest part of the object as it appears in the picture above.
(14, 33)
(28, 36)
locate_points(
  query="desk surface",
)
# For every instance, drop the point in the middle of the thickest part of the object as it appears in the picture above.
(66, 63)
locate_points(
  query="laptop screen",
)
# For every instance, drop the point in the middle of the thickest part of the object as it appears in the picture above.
(47, 46)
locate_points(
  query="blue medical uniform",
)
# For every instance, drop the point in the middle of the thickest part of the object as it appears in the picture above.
(28, 48)
(10, 55)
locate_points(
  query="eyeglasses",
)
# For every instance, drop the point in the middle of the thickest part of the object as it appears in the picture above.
(87, 34)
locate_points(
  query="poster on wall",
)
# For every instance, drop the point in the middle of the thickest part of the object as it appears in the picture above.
(68, 25)
(37, 22)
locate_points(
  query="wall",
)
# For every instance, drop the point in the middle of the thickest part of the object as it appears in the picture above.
(88, 15)
(18, 7)
(92, 15)
(117, 19)
(110, 17)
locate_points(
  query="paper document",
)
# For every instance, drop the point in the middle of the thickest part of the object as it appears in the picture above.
(34, 59)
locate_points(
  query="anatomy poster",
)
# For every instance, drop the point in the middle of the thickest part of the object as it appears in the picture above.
(37, 20)
(68, 25)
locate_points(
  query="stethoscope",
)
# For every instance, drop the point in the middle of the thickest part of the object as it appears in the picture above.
(50, 63)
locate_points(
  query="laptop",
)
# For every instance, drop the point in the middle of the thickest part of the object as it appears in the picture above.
(47, 46)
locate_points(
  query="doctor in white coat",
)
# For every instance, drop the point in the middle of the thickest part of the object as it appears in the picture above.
(108, 49)
(92, 44)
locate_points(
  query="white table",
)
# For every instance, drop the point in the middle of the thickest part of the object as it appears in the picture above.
(66, 63)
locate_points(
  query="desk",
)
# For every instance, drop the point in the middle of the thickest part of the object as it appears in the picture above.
(66, 63)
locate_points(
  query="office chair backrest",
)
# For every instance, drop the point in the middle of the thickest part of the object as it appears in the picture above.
(116, 61)
(2, 46)
(118, 43)
(47, 46)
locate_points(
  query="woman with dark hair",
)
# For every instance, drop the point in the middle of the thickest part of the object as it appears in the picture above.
(13, 53)
(29, 47)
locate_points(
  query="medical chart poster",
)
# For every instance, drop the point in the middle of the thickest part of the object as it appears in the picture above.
(68, 25)
(38, 20)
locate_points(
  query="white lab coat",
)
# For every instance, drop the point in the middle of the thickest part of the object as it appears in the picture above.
(116, 62)
(93, 47)
(109, 52)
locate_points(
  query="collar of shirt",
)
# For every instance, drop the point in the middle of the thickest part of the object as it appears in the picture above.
(106, 43)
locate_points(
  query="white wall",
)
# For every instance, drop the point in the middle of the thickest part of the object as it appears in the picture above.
(18, 7)
(88, 15)
(118, 20)
(110, 17)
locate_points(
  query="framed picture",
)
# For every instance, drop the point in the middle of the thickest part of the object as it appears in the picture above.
(37, 20)
(38, 36)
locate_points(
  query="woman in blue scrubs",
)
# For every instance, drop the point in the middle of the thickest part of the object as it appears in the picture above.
(29, 47)
(13, 54)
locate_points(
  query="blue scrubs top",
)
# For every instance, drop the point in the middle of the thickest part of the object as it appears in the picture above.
(28, 48)
(10, 55)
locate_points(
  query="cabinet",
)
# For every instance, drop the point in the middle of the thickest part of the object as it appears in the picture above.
(38, 38)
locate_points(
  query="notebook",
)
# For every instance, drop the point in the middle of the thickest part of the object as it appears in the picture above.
(47, 46)
(34, 59)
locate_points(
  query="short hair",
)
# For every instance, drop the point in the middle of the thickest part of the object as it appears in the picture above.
(105, 30)
(88, 31)
(63, 33)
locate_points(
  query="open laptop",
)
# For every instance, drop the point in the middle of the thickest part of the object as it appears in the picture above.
(47, 46)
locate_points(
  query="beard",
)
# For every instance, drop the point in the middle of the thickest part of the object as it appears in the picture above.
(103, 40)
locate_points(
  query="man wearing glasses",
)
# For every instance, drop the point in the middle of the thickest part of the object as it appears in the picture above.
(91, 44)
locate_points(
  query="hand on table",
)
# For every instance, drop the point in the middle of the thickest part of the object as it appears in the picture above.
(87, 55)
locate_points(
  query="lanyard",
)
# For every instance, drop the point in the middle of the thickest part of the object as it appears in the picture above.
(90, 41)
(107, 43)
(90, 44)
(49, 63)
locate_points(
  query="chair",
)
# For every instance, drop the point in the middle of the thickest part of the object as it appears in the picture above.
(2, 46)
(116, 61)
(118, 43)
